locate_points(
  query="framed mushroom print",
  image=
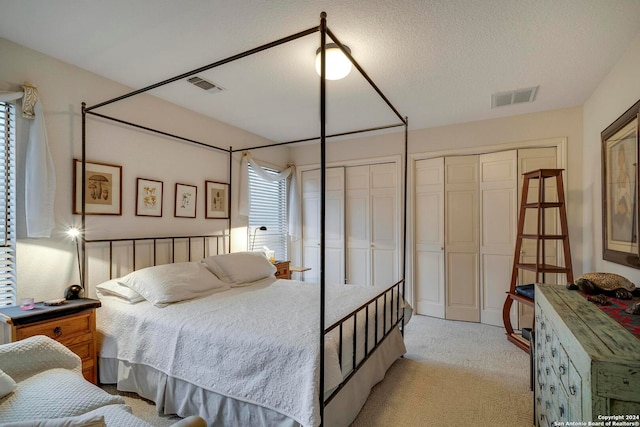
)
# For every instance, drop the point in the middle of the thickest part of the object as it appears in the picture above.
(186, 201)
(103, 188)
(148, 197)
(216, 200)
(620, 176)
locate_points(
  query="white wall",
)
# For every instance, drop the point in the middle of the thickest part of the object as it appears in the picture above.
(618, 91)
(47, 266)
(476, 135)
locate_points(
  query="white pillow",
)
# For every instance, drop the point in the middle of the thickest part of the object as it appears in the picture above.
(164, 284)
(85, 420)
(115, 289)
(240, 267)
(7, 384)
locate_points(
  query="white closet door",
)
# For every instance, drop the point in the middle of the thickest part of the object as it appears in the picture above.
(384, 224)
(428, 275)
(461, 246)
(358, 216)
(311, 222)
(530, 159)
(334, 227)
(498, 219)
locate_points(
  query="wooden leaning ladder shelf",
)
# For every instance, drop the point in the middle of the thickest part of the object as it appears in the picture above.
(539, 267)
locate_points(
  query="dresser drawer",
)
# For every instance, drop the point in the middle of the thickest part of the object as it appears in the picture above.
(66, 329)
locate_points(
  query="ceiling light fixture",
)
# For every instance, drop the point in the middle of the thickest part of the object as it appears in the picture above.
(338, 65)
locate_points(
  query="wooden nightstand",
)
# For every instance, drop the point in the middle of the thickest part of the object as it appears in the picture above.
(72, 324)
(283, 271)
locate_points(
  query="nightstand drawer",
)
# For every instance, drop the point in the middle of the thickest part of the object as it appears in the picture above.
(83, 349)
(63, 329)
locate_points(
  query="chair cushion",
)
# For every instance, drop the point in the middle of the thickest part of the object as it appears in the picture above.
(54, 393)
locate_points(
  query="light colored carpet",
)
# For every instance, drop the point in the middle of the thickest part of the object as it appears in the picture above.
(454, 374)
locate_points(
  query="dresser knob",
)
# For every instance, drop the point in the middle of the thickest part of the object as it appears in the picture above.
(548, 338)
(552, 389)
(57, 331)
(561, 411)
(553, 352)
(562, 369)
(572, 390)
(548, 370)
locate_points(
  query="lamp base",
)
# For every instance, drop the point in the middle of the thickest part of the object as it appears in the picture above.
(72, 292)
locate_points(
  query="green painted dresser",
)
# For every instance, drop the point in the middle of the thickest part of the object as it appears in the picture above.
(587, 366)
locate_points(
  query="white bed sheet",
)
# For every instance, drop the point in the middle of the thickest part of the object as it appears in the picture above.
(224, 343)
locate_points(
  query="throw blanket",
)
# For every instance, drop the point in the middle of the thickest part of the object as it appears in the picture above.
(259, 346)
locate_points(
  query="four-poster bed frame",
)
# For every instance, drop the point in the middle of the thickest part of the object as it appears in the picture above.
(397, 290)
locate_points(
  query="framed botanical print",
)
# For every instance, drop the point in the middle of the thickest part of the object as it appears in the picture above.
(620, 177)
(149, 197)
(185, 203)
(216, 200)
(102, 186)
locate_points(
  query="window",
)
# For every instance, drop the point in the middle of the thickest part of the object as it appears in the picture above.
(268, 207)
(7, 204)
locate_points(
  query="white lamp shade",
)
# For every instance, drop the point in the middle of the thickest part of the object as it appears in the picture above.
(338, 65)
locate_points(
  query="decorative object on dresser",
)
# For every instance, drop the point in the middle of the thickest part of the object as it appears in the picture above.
(283, 271)
(607, 283)
(586, 365)
(102, 189)
(620, 216)
(149, 197)
(541, 236)
(73, 324)
(186, 200)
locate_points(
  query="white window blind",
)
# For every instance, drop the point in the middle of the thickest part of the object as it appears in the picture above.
(268, 207)
(7, 205)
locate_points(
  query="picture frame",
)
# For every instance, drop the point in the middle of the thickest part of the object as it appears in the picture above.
(149, 197)
(103, 188)
(620, 178)
(186, 201)
(216, 200)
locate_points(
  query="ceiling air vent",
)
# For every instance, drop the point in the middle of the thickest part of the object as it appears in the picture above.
(519, 96)
(205, 84)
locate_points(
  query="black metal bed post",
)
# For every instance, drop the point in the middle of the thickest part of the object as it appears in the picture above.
(83, 201)
(323, 165)
(404, 231)
(229, 195)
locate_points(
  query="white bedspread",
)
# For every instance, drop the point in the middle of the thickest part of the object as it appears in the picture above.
(258, 344)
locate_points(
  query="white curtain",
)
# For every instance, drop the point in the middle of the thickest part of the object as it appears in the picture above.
(40, 175)
(293, 202)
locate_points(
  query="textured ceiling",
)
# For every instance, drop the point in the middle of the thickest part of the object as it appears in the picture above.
(437, 61)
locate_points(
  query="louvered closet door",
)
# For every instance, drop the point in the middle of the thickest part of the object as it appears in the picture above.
(428, 273)
(461, 245)
(498, 207)
(334, 226)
